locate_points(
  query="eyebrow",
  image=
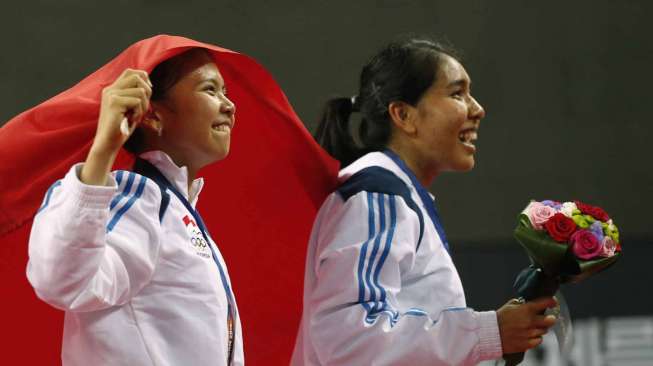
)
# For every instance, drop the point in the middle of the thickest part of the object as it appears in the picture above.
(210, 79)
(459, 82)
(213, 80)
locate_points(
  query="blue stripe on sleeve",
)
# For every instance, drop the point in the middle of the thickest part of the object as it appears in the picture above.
(415, 311)
(119, 176)
(125, 191)
(128, 205)
(48, 194)
(386, 249)
(361, 259)
(375, 250)
(375, 308)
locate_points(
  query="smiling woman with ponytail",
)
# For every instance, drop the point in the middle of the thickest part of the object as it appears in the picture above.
(380, 286)
(400, 72)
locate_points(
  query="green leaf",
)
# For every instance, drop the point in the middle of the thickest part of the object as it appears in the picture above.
(592, 267)
(543, 251)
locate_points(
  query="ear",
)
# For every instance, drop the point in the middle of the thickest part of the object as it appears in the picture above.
(402, 115)
(152, 121)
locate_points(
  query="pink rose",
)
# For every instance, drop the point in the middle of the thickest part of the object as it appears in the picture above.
(609, 246)
(585, 245)
(538, 214)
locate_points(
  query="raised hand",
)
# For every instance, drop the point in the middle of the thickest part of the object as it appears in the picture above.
(128, 97)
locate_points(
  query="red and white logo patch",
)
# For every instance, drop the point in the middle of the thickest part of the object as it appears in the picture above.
(197, 240)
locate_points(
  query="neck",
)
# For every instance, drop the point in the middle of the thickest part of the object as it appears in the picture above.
(192, 173)
(191, 169)
(422, 170)
(154, 142)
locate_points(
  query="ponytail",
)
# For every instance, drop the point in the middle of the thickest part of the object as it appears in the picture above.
(402, 71)
(334, 132)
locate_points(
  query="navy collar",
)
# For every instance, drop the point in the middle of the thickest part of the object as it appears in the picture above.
(423, 194)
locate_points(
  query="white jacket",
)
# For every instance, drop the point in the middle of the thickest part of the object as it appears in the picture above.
(380, 287)
(136, 290)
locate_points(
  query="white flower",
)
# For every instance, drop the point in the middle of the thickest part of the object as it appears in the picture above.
(528, 208)
(568, 208)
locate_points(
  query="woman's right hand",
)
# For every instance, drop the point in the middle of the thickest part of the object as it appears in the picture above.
(522, 325)
(128, 97)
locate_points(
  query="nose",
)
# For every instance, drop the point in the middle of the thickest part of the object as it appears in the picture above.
(228, 106)
(476, 111)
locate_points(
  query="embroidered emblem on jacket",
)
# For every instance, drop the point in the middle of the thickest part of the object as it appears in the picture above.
(197, 240)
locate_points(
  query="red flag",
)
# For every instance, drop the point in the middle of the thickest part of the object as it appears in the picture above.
(259, 203)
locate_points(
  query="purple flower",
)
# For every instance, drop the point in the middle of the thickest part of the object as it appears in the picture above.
(597, 230)
(553, 204)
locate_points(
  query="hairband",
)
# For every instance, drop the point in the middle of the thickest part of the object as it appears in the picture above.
(354, 103)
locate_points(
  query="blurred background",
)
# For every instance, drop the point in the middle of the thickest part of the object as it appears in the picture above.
(565, 84)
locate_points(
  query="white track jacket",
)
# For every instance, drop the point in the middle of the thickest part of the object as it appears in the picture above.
(137, 289)
(380, 286)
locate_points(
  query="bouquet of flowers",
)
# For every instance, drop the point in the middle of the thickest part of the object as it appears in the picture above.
(570, 240)
(566, 242)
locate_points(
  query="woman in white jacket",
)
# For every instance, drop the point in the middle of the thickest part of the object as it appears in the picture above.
(121, 253)
(380, 285)
(124, 253)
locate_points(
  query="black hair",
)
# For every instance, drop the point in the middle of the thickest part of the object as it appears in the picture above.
(401, 71)
(163, 77)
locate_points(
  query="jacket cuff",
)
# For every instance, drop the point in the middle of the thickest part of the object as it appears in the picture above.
(89, 196)
(489, 346)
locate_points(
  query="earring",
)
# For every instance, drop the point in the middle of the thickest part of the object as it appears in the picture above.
(159, 130)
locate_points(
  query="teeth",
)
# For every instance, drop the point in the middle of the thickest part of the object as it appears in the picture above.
(468, 136)
(222, 128)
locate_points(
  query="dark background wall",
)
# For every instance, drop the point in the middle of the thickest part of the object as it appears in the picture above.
(566, 86)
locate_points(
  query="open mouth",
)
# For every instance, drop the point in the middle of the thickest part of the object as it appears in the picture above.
(468, 137)
(221, 127)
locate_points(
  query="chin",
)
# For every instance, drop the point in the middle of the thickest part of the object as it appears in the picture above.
(221, 151)
(215, 156)
(222, 154)
(465, 165)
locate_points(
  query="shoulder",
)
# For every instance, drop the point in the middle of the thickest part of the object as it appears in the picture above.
(136, 198)
(373, 179)
(381, 181)
(135, 186)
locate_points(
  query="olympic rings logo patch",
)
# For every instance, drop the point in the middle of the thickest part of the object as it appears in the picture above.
(197, 241)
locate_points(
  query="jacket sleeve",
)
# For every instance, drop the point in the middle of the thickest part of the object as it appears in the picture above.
(92, 247)
(365, 244)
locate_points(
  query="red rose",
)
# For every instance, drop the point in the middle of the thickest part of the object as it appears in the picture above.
(594, 211)
(560, 227)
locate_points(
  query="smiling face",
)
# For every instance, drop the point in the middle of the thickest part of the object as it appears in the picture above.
(195, 115)
(446, 121)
